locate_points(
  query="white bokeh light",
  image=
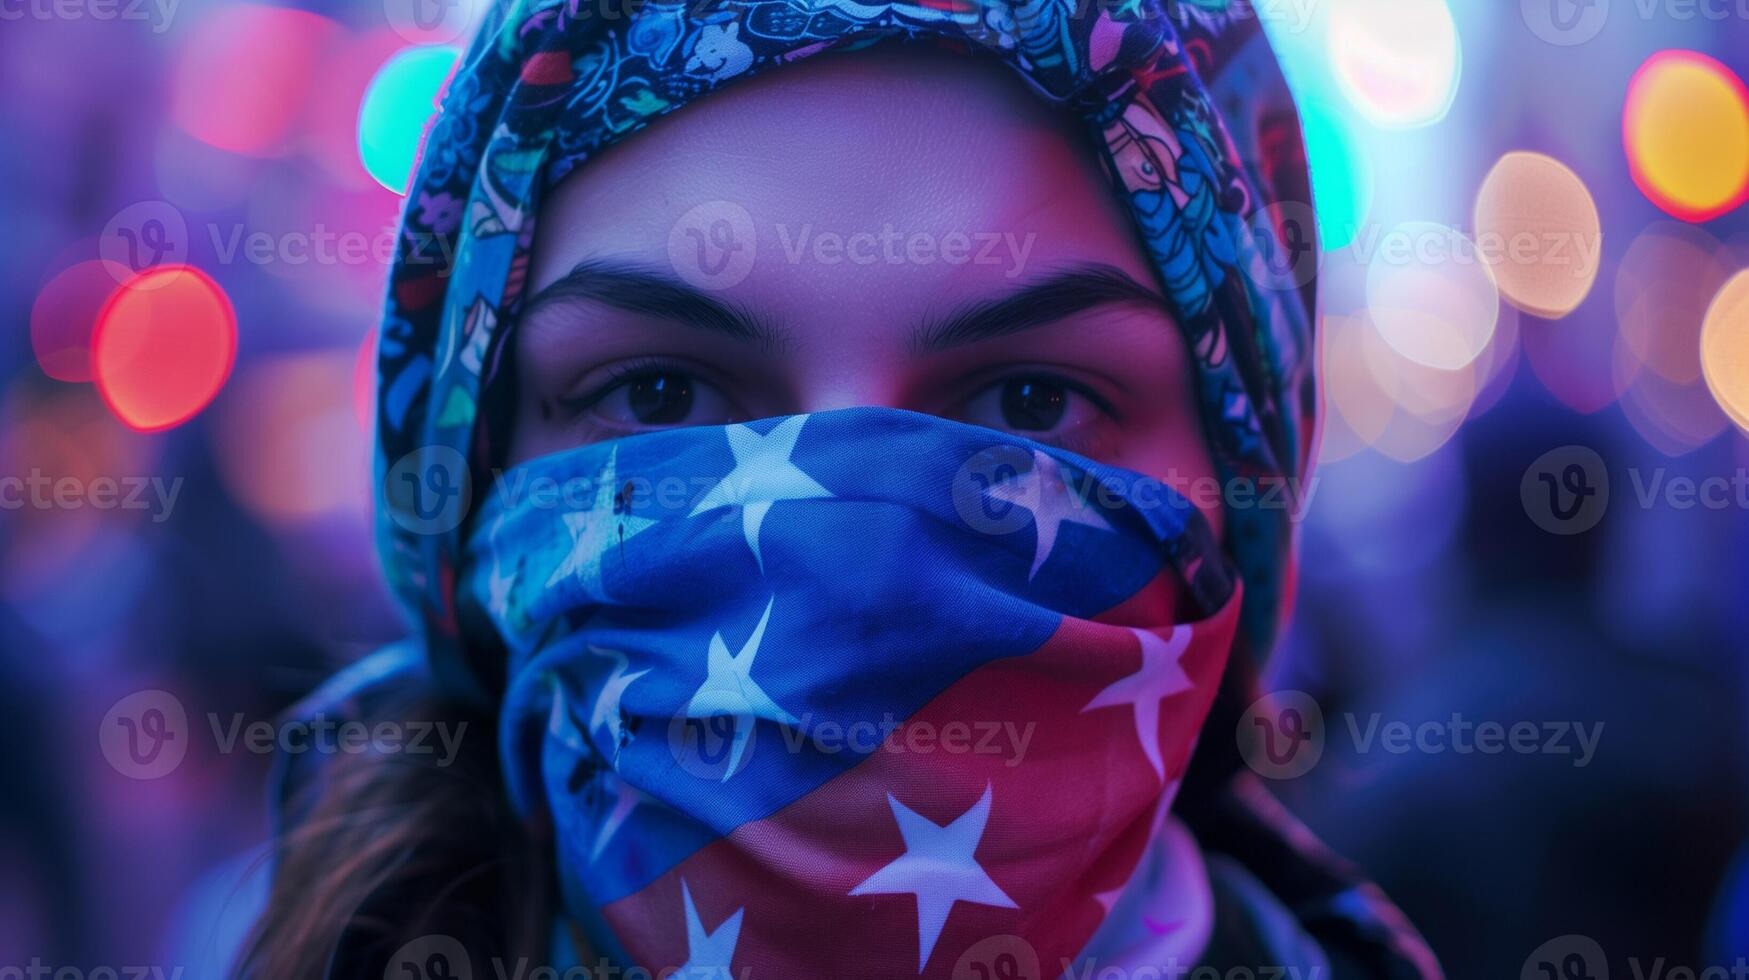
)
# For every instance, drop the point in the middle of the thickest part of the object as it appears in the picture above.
(1396, 61)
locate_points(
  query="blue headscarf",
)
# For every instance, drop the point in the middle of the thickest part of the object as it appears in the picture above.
(1199, 135)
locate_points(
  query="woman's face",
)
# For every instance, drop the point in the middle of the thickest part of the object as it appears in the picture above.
(892, 228)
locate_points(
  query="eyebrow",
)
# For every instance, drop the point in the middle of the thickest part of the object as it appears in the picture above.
(1077, 289)
(637, 289)
(641, 290)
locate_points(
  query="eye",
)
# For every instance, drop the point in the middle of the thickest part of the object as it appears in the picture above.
(1036, 407)
(1033, 406)
(660, 399)
(637, 397)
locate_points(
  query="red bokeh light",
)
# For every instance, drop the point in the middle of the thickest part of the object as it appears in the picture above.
(163, 347)
(245, 74)
(64, 315)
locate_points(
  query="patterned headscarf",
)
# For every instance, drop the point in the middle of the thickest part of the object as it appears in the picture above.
(1198, 135)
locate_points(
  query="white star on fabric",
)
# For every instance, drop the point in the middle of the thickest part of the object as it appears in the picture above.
(1052, 503)
(595, 530)
(626, 798)
(1107, 899)
(762, 476)
(606, 711)
(708, 954)
(1160, 677)
(729, 689)
(561, 725)
(938, 867)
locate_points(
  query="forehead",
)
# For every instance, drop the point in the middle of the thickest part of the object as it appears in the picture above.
(869, 190)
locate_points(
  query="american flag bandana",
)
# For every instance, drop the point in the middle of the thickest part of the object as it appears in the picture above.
(864, 693)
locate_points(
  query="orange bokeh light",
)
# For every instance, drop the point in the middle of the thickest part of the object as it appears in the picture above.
(1725, 349)
(1686, 130)
(163, 347)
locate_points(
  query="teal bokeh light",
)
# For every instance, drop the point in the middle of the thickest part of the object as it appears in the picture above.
(400, 101)
(1341, 176)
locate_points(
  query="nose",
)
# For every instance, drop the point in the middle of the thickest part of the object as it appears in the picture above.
(850, 379)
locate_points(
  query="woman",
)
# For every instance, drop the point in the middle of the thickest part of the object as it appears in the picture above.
(810, 491)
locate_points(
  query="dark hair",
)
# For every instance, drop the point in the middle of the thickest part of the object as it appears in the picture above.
(388, 848)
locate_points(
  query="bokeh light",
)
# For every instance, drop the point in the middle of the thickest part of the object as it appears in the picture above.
(1724, 346)
(331, 246)
(1686, 129)
(1431, 403)
(243, 75)
(1497, 366)
(1342, 179)
(163, 346)
(1397, 61)
(1667, 277)
(284, 437)
(1545, 219)
(1357, 408)
(64, 430)
(65, 313)
(1383, 401)
(329, 133)
(398, 104)
(413, 20)
(70, 573)
(1425, 587)
(1432, 295)
(1672, 417)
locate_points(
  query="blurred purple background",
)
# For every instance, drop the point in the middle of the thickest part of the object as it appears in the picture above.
(1438, 579)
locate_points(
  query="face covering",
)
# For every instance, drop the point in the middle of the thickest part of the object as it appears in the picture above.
(846, 694)
(1181, 100)
(745, 843)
